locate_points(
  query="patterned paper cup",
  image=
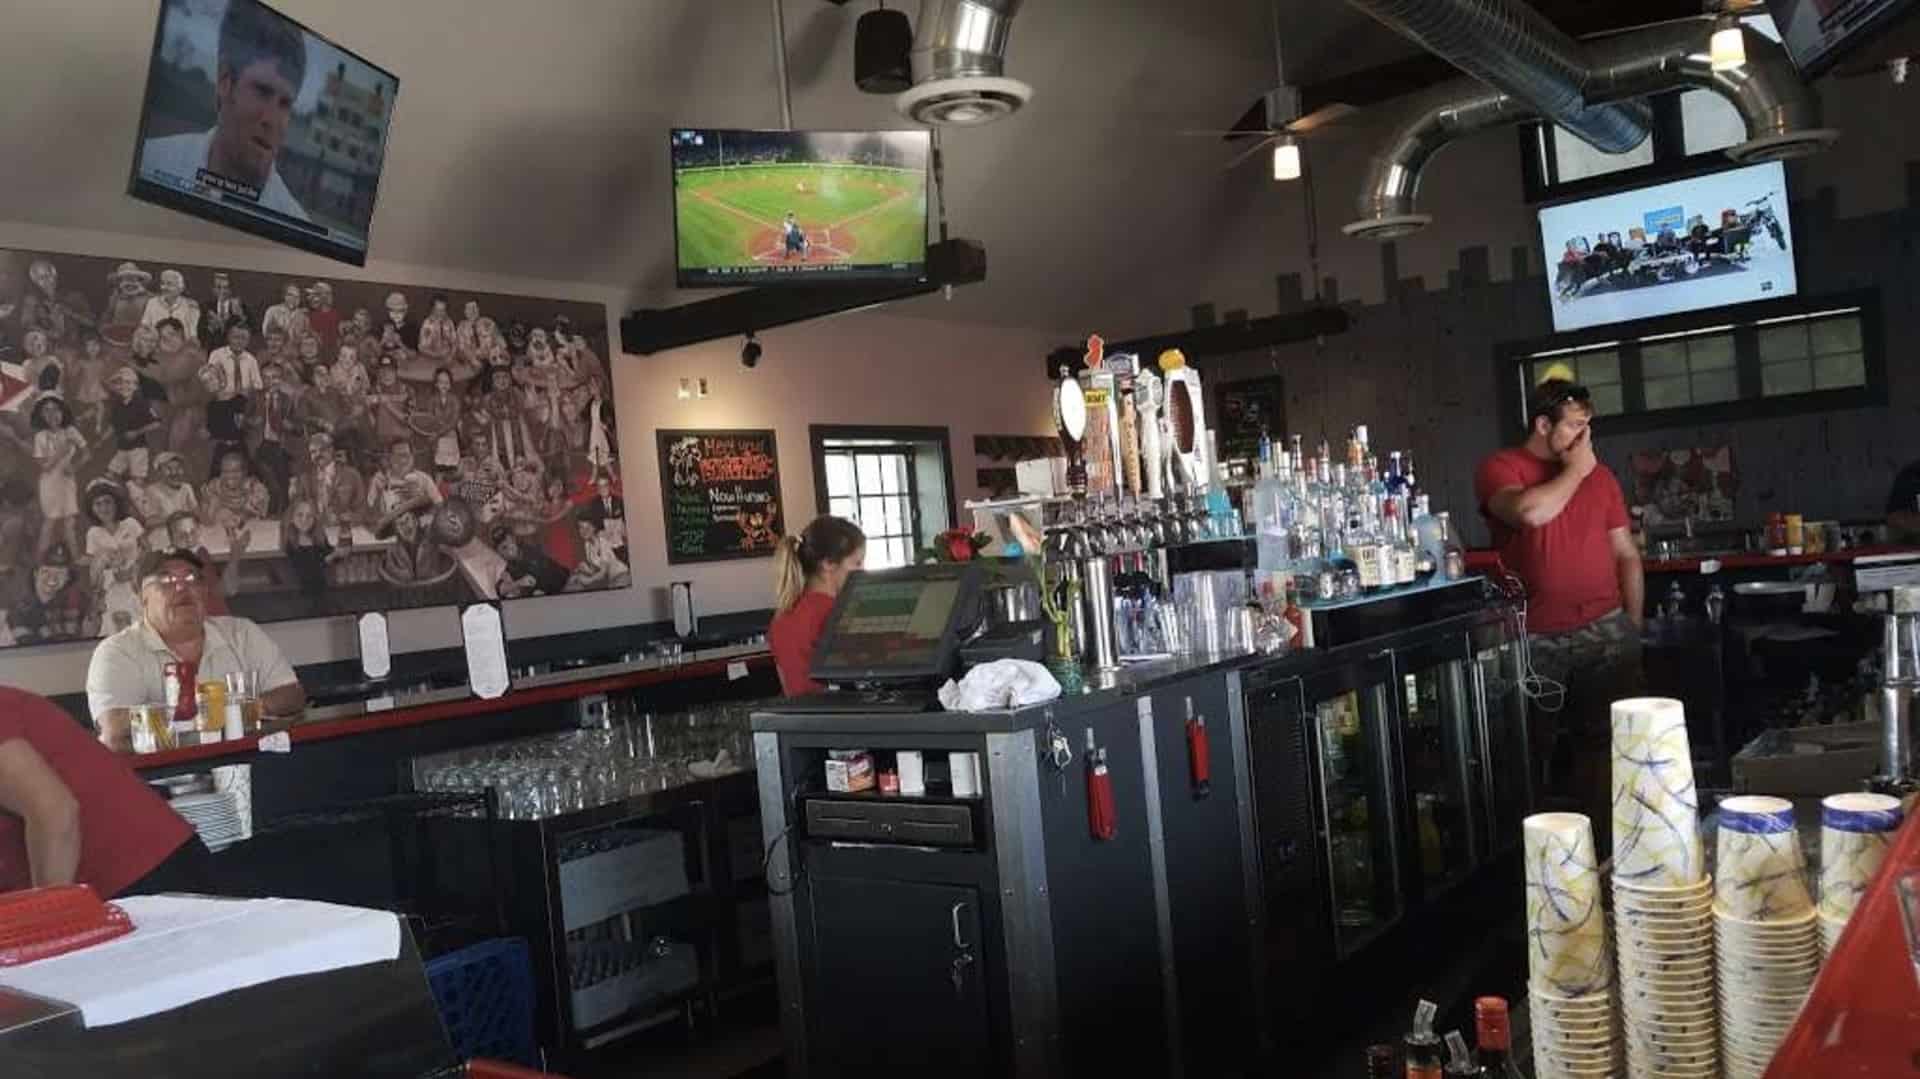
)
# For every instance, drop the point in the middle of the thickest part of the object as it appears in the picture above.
(1855, 832)
(1656, 826)
(1761, 874)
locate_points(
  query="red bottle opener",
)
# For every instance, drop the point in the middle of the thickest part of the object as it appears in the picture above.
(1199, 760)
(1101, 820)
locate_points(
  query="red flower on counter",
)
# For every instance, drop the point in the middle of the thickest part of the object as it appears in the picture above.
(956, 545)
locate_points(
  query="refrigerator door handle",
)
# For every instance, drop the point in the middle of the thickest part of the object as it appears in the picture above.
(959, 934)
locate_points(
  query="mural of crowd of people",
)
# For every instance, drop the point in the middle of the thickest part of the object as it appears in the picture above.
(326, 446)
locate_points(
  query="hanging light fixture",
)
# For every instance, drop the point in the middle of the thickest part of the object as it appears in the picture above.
(1728, 48)
(1286, 159)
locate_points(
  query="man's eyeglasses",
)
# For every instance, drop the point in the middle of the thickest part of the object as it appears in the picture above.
(172, 581)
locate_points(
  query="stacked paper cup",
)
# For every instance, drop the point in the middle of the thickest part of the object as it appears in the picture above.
(1766, 943)
(1855, 831)
(1662, 896)
(1570, 973)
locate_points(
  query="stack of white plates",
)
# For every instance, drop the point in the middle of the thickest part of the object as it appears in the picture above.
(213, 815)
(1855, 832)
(1570, 974)
(1766, 941)
(1662, 896)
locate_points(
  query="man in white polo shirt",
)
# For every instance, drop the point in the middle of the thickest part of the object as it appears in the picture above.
(127, 668)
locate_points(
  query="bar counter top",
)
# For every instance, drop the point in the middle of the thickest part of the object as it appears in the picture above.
(1750, 560)
(383, 713)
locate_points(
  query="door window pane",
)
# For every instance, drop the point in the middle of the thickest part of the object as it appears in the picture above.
(1840, 372)
(1599, 367)
(1711, 353)
(1713, 387)
(839, 475)
(842, 507)
(1835, 335)
(1662, 360)
(1783, 342)
(867, 471)
(1784, 378)
(1668, 392)
(1607, 400)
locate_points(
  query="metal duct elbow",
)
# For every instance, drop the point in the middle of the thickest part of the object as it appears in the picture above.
(1781, 113)
(1512, 48)
(959, 64)
(1424, 123)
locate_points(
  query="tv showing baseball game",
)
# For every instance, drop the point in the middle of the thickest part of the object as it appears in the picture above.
(1685, 245)
(767, 207)
(254, 121)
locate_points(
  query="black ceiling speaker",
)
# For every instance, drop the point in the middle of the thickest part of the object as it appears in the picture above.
(882, 40)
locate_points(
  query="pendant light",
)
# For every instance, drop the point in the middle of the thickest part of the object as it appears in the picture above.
(1728, 48)
(1286, 159)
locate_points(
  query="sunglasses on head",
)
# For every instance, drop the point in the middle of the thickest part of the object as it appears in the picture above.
(1546, 406)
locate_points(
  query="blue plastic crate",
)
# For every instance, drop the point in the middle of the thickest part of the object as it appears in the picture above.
(485, 996)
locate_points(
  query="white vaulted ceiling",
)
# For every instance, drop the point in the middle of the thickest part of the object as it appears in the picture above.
(529, 137)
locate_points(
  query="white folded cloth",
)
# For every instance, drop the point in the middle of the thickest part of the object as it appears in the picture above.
(1000, 684)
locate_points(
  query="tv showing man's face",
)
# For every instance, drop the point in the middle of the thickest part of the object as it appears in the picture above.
(256, 104)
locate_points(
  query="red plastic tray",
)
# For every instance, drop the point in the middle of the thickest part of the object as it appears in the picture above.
(39, 923)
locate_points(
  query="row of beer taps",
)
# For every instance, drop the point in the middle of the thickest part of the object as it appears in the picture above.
(1115, 526)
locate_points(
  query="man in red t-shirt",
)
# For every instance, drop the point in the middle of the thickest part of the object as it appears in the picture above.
(72, 811)
(1560, 524)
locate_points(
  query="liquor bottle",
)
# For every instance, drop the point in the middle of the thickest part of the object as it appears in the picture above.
(1460, 1061)
(1396, 478)
(1367, 546)
(1453, 560)
(1270, 519)
(1266, 455)
(1493, 1030)
(1383, 1062)
(1406, 556)
(1406, 466)
(1422, 1044)
(1301, 621)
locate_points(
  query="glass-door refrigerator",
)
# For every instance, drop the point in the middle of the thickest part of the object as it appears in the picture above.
(1349, 711)
(1435, 721)
(1507, 764)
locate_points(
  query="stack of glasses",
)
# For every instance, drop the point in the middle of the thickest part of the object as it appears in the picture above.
(1662, 896)
(1570, 975)
(1855, 832)
(1767, 946)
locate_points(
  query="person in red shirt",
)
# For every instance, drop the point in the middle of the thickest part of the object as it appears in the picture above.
(810, 569)
(1559, 522)
(73, 811)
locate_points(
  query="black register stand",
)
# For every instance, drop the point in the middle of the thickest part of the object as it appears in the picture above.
(1001, 934)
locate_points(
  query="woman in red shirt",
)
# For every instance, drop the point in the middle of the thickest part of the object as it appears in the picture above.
(810, 569)
(72, 811)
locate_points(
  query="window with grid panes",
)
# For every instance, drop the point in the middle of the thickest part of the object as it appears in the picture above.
(1805, 355)
(1696, 368)
(873, 488)
(1597, 369)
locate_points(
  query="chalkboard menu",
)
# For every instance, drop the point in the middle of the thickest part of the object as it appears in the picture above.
(1242, 410)
(720, 494)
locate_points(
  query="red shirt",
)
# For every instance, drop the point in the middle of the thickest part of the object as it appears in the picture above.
(792, 636)
(125, 829)
(1567, 564)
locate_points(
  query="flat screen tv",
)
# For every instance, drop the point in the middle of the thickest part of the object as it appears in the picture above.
(1706, 241)
(252, 120)
(1818, 33)
(767, 207)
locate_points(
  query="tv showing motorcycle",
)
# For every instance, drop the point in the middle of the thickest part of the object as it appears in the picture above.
(1708, 241)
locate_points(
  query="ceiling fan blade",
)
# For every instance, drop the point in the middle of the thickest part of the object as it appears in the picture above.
(1322, 116)
(1250, 151)
(1229, 135)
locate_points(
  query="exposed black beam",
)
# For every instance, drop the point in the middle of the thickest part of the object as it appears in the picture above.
(1220, 340)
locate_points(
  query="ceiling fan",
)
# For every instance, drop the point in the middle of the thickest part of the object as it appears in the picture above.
(1274, 119)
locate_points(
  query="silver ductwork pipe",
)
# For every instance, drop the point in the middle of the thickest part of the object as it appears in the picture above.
(1427, 121)
(1780, 111)
(959, 64)
(1513, 48)
(962, 38)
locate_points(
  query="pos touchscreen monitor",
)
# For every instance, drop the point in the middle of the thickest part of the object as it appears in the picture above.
(901, 625)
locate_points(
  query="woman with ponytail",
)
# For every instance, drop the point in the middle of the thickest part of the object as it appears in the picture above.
(809, 570)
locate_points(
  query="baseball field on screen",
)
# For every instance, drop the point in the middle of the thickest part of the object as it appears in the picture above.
(850, 214)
